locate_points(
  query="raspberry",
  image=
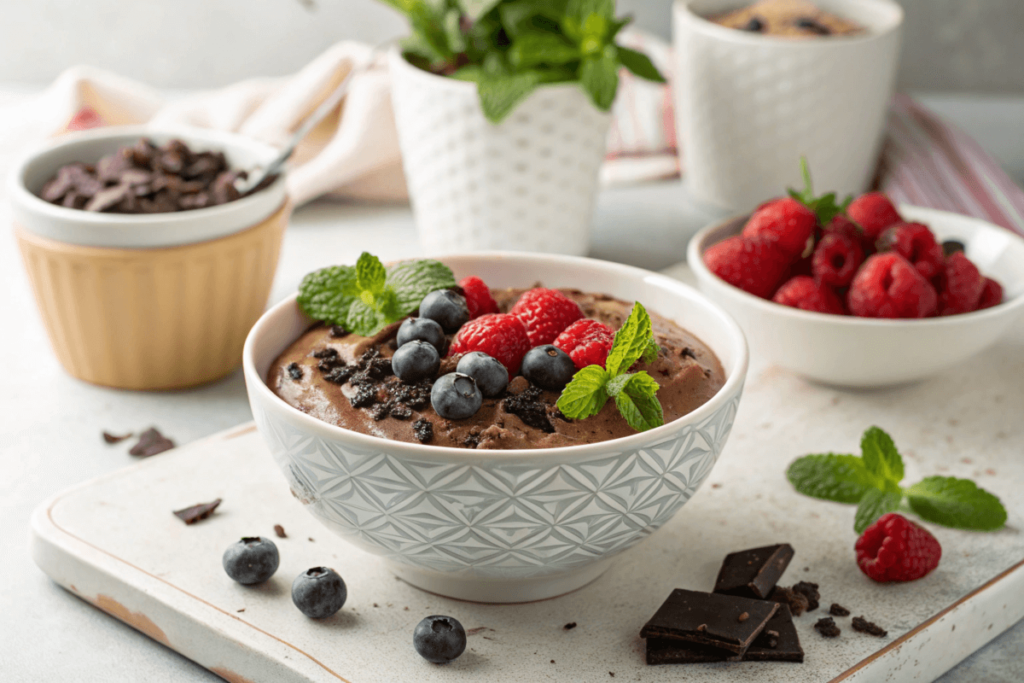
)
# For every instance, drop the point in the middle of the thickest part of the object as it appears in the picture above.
(841, 225)
(545, 312)
(960, 285)
(478, 297)
(754, 265)
(916, 243)
(873, 212)
(587, 342)
(992, 295)
(836, 259)
(888, 286)
(804, 293)
(786, 222)
(896, 549)
(499, 335)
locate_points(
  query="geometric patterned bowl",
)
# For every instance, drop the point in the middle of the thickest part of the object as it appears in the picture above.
(503, 526)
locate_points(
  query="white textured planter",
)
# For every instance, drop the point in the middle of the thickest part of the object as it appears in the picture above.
(748, 106)
(526, 184)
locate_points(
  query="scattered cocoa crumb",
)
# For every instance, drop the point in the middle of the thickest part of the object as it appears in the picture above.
(864, 626)
(423, 430)
(570, 626)
(240, 610)
(197, 513)
(376, 605)
(150, 443)
(743, 617)
(279, 530)
(838, 610)
(552, 661)
(612, 674)
(797, 602)
(702, 628)
(294, 371)
(826, 626)
(478, 629)
(810, 591)
(406, 609)
(312, 540)
(337, 331)
(716, 486)
(114, 438)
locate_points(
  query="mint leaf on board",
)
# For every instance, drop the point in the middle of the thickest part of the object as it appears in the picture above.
(957, 503)
(639, 64)
(585, 394)
(631, 341)
(637, 403)
(599, 76)
(328, 293)
(880, 456)
(831, 476)
(500, 93)
(873, 505)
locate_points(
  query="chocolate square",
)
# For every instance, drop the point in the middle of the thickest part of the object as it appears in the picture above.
(780, 631)
(728, 622)
(753, 573)
(674, 651)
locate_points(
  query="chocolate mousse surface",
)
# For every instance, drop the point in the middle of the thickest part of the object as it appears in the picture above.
(789, 19)
(346, 380)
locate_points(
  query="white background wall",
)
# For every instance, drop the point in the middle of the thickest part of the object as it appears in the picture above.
(975, 45)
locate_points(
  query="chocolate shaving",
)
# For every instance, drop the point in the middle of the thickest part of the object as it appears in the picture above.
(279, 531)
(150, 443)
(114, 438)
(197, 513)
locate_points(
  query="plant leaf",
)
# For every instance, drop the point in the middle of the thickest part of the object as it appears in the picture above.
(831, 476)
(370, 273)
(499, 94)
(880, 456)
(533, 49)
(957, 503)
(413, 280)
(631, 340)
(585, 395)
(599, 76)
(327, 294)
(475, 9)
(640, 64)
(638, 404)
(873, 505)
(364, 319)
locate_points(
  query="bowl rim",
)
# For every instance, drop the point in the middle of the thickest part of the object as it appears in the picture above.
(683, 10)
(698, 245)
(25, 202)
(735, 377)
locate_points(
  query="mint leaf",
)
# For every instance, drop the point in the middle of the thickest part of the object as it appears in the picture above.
(873, 505)
(957, 503)
(533, 49)
(477, 8)
(599, 76)
(327, 294)
(413, 280)
(831, 476)
(581, 9)
(499, 94)
(370, 273)
(585, 395)
(631, 341)
(651, 352)
(825, 206)
(641, 410)
(639, 64)
(880, 456)
(363, 319)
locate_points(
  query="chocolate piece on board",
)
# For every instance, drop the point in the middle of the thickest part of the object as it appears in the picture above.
(753, 573)
(673, 651)
(710, 619)
(197, 513)
(778, 641)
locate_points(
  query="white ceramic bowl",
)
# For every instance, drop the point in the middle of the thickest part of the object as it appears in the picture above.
(866, 352)
(503, 526)
(748, 106)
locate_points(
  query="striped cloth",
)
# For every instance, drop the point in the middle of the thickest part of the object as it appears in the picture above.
(924, 161)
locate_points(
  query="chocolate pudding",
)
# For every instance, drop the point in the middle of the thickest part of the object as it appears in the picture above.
(789, 19)
(346, 380)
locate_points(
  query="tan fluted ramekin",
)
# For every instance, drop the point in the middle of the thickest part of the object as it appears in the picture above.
(158, 301)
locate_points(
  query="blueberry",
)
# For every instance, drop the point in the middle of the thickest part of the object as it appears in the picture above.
(251, 560)
(439, 639)
(415, 360)
(319, 592)
(490, 375)
(456, 396)
(950, 247)
(421, 328)
(548, 366)
(446, 308)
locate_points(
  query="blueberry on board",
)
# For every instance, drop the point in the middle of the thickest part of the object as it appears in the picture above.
(439, 639)
(319, 592)
(490, 375)
(548, 367)
(446, 308)
(251, 560)
(421, 328)
(415, 360)
(455, 396)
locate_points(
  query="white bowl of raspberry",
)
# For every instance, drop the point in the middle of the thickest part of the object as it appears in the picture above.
(927, 290)
(495, 525)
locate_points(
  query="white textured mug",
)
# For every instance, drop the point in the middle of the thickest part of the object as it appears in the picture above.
(748, 106)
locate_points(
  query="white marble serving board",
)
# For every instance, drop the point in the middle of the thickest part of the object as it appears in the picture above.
(114, 543)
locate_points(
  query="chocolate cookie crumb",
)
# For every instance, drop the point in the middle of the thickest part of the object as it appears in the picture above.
(338, 374)
(826, 626)
(294, 371)
(471, 440)
(337, 331)
(529, 408)
(197, 513)
(864, 626)
(570, 626)
(797, 602)
(326, 353)
(150, 443)
(279, 531)
(114, 438)
(838, 610)
(810, 591)
(365, 396)
(813, 26)
(755, 25)
(423, 430)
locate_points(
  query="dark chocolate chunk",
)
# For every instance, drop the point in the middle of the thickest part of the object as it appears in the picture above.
(674, 651)
(294, 371)
(950, 247)
(279, 531)
(813, 26)
(196, 513)
(826, 626)
(115, 438)
(778, 642)
(755, 25)
(753, 573)
(797, 602)
(810, 591)
(838, 610)
(710, 619)
(570, 626)
(151, 442)
(864, 626)
(423, 430)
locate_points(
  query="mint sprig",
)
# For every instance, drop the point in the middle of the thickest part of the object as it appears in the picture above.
(872, 481)
(634, 392)
(367, 296)
(824, 207)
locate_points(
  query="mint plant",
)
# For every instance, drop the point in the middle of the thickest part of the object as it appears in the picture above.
(872, 482)
(824, 207)
(510, 47)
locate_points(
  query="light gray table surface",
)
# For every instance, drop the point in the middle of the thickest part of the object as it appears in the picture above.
(50, 431)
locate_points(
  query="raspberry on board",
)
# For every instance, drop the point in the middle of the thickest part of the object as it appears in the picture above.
(499, 335)
(805, 293)
(545, 312)
(836, 259)
(873, 212)
(587, 342)
(916, 243)
(992, 295)
(960, 285)
(896, 549)
(755, 265)
(888, 286)
(478, 297)
(786, 222)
